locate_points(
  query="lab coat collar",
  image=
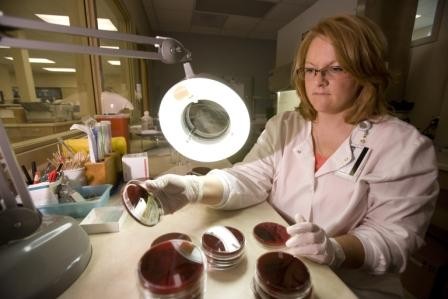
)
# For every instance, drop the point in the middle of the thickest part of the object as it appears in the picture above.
(305, 157)
(305, 147)
(344, 154)
(339, 159)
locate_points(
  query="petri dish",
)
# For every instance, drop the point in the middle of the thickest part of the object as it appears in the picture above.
(281, 275)
(271, 234)
(170, 236)
(223, 240)
(141, 204)
(223, 246)
(172, 269)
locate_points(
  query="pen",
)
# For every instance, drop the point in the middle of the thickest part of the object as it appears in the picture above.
(33, 169)
(29, 181)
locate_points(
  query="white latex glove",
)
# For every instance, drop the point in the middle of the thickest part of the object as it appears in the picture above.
(309, 240)
(175, 191)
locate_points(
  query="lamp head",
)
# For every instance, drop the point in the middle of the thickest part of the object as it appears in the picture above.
(172, 51)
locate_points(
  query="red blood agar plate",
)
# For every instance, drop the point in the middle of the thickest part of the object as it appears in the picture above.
(271, 234)
(281, 275)
(170, 236)
(172, 268)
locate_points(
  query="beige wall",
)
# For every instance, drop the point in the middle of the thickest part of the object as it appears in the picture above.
(289, 36)
(246, 60)
(428, 78)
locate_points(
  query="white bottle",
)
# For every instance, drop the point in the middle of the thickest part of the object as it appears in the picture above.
(147, 121)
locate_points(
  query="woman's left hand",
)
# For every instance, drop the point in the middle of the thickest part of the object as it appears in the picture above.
(309, 240)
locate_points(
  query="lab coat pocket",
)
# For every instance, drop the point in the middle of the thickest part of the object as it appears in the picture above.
(353, 169)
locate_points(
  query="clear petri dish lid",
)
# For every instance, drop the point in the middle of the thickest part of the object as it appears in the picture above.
(171, 267)
(141, 204)
(279, 273)
(271, 234)
(170, 236)
(223, 241)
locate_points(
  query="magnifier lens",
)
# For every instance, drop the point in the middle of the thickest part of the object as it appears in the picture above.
(206, 119)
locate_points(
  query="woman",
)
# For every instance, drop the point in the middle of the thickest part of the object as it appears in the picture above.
(358, 185)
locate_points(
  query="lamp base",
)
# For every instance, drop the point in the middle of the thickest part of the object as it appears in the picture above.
(46, 263)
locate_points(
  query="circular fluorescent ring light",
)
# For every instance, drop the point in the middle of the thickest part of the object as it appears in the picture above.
(204, 119)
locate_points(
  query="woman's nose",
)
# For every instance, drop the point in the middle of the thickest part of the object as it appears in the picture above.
(320, 78)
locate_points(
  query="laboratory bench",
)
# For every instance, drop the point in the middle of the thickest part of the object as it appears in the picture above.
(112, 270)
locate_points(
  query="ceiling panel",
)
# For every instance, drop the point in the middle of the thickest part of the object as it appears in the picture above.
(284, 11)
(259, 19)
(175, 20)
(248, 8)
(268, 26)
(205, 30)
(174, 4)
(235, 23)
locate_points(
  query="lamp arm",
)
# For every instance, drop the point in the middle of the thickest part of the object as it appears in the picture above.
(168, 50)
(15, 174)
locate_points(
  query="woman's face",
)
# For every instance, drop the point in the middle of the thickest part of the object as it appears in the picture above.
(331, 91)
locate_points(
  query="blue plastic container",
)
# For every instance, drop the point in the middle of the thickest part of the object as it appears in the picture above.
(97, 196)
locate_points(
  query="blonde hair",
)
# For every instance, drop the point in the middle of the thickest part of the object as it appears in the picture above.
(360, 48)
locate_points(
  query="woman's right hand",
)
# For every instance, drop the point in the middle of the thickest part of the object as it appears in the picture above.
(175, 191)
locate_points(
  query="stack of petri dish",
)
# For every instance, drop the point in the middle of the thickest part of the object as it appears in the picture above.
(172, 269)
(223, 246)
(280, 275)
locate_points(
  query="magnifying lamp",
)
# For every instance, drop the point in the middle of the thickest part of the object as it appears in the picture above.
(201, 117)
(204, 119)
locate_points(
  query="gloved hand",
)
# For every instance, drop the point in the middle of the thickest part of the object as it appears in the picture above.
(175, 191)
(311, 241)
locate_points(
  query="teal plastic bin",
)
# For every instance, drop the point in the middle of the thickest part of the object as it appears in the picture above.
(97, 196)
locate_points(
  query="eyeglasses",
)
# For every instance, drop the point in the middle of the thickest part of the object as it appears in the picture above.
(329, 72)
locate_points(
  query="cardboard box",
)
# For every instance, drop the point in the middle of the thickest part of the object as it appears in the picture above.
(135, 166)
(104, 220)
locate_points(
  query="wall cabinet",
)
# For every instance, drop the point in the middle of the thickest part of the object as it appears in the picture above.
(21, 132)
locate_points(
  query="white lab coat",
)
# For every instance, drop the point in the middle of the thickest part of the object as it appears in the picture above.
(387, 205)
